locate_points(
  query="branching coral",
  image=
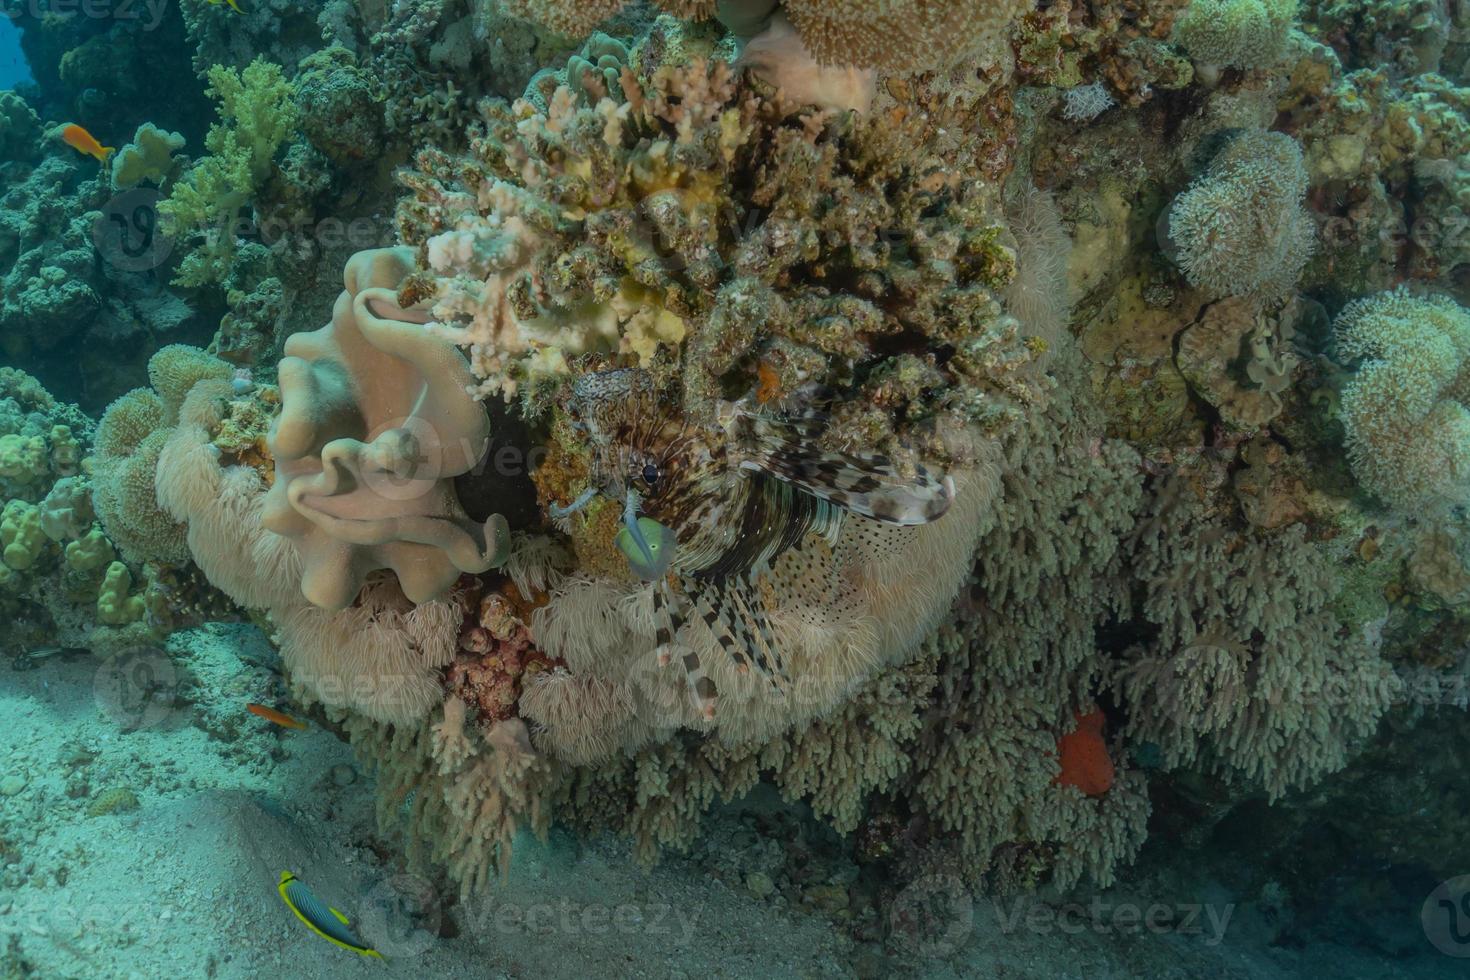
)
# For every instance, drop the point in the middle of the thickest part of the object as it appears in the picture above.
(1406, 412)
(1241, 229)
(1251, 675)
(256, 115)
(626, 228)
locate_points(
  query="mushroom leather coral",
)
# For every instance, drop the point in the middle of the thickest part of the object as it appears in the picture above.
(375, 423)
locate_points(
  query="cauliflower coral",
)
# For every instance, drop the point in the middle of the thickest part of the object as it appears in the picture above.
(1241, 228)
(1404, 413)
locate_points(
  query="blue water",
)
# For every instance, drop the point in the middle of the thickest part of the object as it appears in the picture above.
(13, 67)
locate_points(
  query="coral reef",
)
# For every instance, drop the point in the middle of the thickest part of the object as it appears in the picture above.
(1003, 432)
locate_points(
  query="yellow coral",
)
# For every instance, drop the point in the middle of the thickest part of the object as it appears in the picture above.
(91, 551)
(21, 537)
(22, 458)
(114, 606)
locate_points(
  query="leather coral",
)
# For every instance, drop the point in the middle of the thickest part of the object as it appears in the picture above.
(375, 424)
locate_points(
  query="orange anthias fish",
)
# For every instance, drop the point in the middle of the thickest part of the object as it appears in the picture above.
(274, 716)
(1084, 756)
(82, 141)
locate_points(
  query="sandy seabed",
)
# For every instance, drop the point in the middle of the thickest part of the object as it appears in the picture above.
(145, 817)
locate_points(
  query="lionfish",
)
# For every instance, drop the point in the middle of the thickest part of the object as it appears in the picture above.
(707, 509)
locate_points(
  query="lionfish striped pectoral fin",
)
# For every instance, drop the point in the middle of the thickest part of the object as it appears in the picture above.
(668, 620)
(866, 484)
(735, 617)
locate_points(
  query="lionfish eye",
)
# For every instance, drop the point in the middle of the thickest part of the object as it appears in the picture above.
(650, 474)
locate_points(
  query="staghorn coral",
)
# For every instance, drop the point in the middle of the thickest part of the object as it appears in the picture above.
(375, 422)
(1241, 229)
(1404, 412)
